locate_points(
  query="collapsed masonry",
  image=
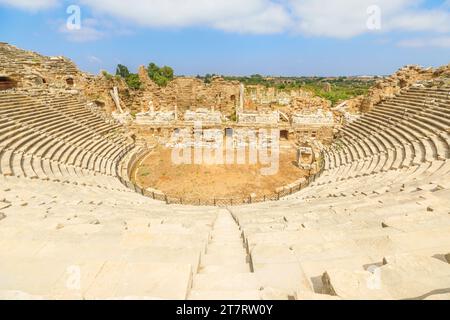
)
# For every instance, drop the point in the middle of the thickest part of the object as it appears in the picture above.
(393, 85)
(27, 69)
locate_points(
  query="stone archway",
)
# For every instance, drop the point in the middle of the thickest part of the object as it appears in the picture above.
(284, 134)
(229, 132)
(70, 82)
(7, 83)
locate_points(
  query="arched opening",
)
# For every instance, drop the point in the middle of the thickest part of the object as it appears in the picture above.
(284, 134)
(70, 82)
(39, 81)
(7, 83)
(233, 98)
(99, 104)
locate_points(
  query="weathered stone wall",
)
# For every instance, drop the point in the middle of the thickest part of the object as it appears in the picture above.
(317, 118)
(324, 134)
(264, 118)
(203, 115)
(97, 89)
(289, 101)
(188, 94)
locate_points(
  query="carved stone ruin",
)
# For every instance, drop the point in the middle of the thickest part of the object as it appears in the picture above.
(203, 115)
(259, 118)
(305, 157)
(319, 118)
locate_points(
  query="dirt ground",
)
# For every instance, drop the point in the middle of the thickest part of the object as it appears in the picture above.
(206, 182)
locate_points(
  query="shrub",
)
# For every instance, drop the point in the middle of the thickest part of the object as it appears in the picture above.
(133, 81)
(122, 71)
(161, 76)
(107, 75)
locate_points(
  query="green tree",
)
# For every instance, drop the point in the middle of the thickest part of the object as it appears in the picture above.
(161, 76)
(166, 72)
(133, 81)
(152, 70)
(122, 71)
(106, 75)
(208, 78)
(160, 80)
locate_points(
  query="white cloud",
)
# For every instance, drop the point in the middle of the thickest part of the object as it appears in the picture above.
(88, 31)
(272, 20)
(317, 18)
(348, 18)
(94, 60)
(440, 42)
(252, 16)
(431, 20)
(31, 5)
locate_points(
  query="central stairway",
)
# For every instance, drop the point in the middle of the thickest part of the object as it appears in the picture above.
(225, 270)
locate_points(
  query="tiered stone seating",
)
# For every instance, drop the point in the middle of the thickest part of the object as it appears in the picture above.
(399, 132)
(352, 226)
(376, 224)
(122, 245)
(58, 139)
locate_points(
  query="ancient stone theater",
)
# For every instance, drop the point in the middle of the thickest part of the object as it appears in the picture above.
(347, 200)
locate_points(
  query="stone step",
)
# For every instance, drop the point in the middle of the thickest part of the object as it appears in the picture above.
(220, 246)
(226, 269)
(223, 259)
(226, 282)
(225, 237)
(226, 229)
(226, 242)
(224, 295)
(230, 234)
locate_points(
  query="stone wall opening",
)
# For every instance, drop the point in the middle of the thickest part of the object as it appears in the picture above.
(284, 134)
(70, 82)
(229, 132)
(99, 104)
(7, 83)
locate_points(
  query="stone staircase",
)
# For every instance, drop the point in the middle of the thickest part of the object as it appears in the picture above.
(225, 270)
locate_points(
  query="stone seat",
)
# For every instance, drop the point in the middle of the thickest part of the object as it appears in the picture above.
(400, 277)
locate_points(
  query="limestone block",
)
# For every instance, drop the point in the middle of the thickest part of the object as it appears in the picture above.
(121, 280)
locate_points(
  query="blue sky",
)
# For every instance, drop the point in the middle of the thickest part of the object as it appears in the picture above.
(235, 37)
